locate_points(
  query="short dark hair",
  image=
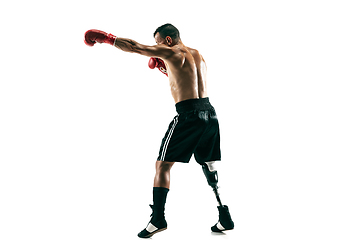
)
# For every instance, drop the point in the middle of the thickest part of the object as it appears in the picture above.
(168, 30)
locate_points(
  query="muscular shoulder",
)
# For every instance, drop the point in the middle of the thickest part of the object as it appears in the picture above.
(193, 52)
(196, 55)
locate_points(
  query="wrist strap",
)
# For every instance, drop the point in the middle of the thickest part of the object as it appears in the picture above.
(111, 39)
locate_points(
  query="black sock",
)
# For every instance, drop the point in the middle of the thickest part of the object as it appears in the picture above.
(159, 198)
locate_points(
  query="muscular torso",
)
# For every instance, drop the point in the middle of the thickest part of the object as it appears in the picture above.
(187, 73)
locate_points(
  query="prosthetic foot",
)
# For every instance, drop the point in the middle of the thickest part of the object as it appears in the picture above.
(225, 222)
(156, 224)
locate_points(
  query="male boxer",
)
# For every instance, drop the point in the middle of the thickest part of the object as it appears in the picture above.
(195, 130)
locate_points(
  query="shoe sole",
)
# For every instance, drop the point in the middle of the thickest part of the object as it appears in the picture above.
(157, 231)
(222, 230)
(227, 229)
(219, 231)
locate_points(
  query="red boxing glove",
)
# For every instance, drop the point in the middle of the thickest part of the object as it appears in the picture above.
(93, 36)
(157, 62)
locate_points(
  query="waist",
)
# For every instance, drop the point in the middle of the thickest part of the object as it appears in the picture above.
(193, 104)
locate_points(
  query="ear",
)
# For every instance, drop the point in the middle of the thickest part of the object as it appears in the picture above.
(168, 40)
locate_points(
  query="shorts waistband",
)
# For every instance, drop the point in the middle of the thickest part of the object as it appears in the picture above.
(193, 104)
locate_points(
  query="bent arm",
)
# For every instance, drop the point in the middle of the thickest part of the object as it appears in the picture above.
(128, 45)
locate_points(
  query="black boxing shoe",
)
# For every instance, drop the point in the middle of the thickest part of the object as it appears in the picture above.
(225, 222)
(157, 224)
(152, 229)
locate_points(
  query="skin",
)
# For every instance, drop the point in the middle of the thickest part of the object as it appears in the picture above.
(185, 66)
(186, 70)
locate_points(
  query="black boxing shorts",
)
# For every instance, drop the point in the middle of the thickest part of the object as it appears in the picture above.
(195, 130)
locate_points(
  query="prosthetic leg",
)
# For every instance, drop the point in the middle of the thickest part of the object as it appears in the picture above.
(212, 179)
(225, 222)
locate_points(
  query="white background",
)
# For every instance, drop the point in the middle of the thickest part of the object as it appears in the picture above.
(80, 127)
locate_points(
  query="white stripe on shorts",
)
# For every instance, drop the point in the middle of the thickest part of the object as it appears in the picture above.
(168, 138)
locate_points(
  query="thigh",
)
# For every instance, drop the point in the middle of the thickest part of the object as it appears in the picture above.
(181, 139)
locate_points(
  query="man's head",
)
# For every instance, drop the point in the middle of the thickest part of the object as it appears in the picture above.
(167, 34)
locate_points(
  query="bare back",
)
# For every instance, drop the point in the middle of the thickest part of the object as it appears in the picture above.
(187, 73)
(185, 66)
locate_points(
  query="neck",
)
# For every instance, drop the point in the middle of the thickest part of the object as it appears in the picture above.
(178, 43)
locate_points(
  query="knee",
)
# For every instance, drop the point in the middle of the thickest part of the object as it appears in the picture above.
(163, 166)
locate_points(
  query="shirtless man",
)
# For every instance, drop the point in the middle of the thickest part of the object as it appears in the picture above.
(195, 130)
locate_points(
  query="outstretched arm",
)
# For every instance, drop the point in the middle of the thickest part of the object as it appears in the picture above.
(128, 45)
(96, 36)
